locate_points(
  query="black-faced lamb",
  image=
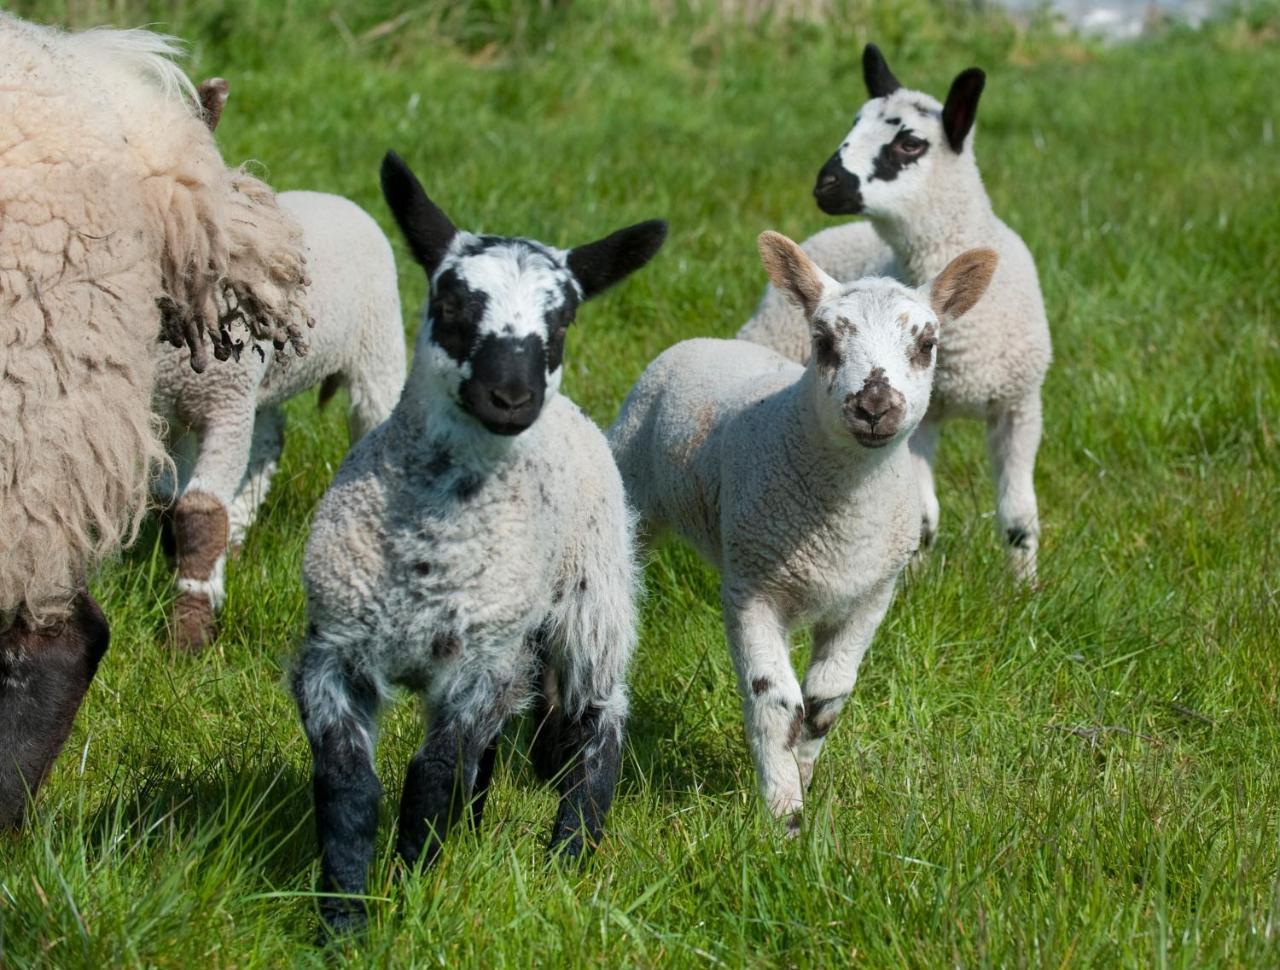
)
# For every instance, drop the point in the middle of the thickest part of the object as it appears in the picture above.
(908, 164)
(796, 483)
(477, 540)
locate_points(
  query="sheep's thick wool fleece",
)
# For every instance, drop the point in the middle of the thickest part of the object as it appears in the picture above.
(112, 197)
(425, 569)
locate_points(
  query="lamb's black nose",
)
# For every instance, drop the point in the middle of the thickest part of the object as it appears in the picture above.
(510, 398)
(837, 190)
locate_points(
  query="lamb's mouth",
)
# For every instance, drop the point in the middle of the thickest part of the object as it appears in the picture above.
(871, 439)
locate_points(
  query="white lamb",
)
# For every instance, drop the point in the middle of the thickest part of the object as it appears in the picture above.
(226, 426)
(796, 483)
(908, 164)
(478, 537)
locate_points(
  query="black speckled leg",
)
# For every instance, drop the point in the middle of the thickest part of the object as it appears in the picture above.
(592, 745)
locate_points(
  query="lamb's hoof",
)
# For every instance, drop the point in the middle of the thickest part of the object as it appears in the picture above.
(791, 825)
(341, 919)
(194, 625)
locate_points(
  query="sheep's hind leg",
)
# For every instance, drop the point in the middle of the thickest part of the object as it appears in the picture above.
(264, 460)
(1013, 437)
(338, 710)
(838, 650)
(44, 676)
(771, 700)
(590, 748)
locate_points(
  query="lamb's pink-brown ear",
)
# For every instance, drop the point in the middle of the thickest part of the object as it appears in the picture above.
(213, 95)
(960, 285)
(791, 271)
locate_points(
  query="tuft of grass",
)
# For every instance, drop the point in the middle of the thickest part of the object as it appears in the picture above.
(1080, 777)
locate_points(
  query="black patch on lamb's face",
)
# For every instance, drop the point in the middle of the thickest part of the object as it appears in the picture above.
(558, 316)
(455, 311)
(905, 150)
(837, 190)
(922, 353)
(759, 685)
(826, 353)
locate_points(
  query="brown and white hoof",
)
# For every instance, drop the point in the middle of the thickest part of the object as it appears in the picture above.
(194, 624)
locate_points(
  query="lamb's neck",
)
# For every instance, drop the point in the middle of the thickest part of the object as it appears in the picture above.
(933, 234)
(831, 465)
(426, 422)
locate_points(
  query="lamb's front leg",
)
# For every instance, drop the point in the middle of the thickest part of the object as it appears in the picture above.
(1013, 437)
(924, 447)
(771, 700)
(338, 709)
(838, 649)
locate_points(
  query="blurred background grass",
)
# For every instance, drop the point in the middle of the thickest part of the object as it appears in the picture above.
(1081, 777)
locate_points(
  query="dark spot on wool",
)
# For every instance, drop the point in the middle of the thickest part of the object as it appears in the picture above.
(439, 464)
(893, 121)
(820, 714)
(582, 585)
(922, 352)
(445, 645)
(1018, 537)
(455, 311)
(760, 685)
(423, 568)
(925, 110)
(797, 726)
(312, 630)
(557, 594)
(467, 486)
(825, 353)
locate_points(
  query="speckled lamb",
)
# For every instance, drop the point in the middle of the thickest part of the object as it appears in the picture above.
(796, 483)
(478, 539)
(226, 426)
(908, 164)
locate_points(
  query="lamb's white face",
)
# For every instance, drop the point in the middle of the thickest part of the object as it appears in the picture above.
(874, 349)
(900, 145)
(500, 307)
(496, 323)
(874, 340)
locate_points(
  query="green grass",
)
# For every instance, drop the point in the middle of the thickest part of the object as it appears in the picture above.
(1084, 776)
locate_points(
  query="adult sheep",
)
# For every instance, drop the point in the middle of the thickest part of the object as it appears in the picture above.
(119, 223)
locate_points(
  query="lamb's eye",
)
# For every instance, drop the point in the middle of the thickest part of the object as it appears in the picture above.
(910, 145)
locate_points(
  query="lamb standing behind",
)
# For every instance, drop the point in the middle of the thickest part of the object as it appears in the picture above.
(226, 425)
(908, 163)
(796, 483)
(477, 536)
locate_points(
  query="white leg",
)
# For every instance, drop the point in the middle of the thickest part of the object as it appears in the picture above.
(771, 700)
(923, 445)
(264, 459)
(1013, 436)
(838, 650)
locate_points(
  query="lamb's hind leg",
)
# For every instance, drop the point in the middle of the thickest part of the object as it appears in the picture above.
(924, 446)
(264, 460)
(771, 699)
(1013, 437)
(838, 650)
(338, 709)
(444, 774)
(44, 675)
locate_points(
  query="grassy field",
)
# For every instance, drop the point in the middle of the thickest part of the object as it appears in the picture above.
(1084, 776)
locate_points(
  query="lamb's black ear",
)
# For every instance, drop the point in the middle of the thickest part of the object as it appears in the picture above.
(961, 109)
(875, 71)
(598, 265)
(427, 230)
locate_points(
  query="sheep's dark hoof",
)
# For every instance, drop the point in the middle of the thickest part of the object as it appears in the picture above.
(194, 625)
(341, 918)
